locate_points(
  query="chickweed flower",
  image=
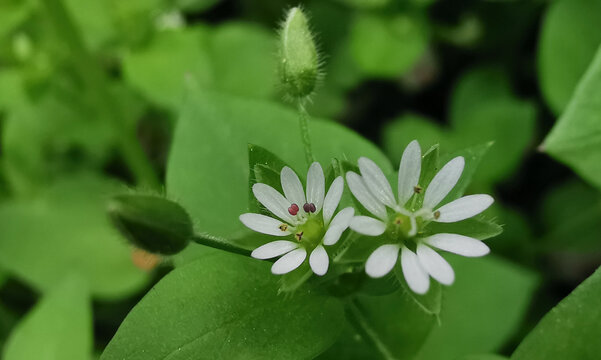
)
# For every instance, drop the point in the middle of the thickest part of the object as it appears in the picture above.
(305, 220)
(402, 223)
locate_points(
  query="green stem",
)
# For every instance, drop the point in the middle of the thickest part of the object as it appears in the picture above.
(362, 325)
(96, 82)
(303, 120)
(217, 243)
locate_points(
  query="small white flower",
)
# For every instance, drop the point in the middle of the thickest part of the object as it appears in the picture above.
(305, 218)
(397, 216)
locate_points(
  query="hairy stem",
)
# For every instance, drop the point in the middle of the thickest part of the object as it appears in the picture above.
(217, 243)
(303, 120)
(105, 103)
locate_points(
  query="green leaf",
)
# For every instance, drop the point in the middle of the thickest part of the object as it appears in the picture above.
(571, 214)
(476, 86)
(194, 5)
(481, 310)
(570, 330)
(430, 302)
(208, 166)
(65, 230)
(507, 122)
(482, 357)
(561, 60)
(575, 139)
(58, 327)
(172, 62)
(12, 13)
(387, 45)
(226, 306)
(243, 60)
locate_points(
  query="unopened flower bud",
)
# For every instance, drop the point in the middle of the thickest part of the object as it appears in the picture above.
(152, 223)
(299, 60)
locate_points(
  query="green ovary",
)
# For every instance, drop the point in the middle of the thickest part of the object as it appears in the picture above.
(310, 233)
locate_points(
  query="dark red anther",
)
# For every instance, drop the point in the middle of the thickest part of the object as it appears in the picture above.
(293, 209)
(309, 208)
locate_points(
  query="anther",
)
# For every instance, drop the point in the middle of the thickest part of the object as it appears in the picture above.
(309, 208)
(436, 214)
(418, 189)
(284, 227)
(299, 236)
(293, 209)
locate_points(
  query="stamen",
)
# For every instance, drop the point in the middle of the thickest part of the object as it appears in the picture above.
(299, 236)
(436, 214)
(293, 209)
(309, 208)
(418, 189)
(284, 227)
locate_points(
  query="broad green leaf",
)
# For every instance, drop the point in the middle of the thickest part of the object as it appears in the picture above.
(430, 303)
(243, 60)
(65, 230)
(387, 45)
(476, 86)
(509, 123)
(58, 327)
(572, 217)
(226, 306)
(482, 357)
(390, 326)
(208, 166)
(94, 21)
(570, 330)
(575, 139)
(481, 310)
(12, 13)
(173, 61)
(561, 60)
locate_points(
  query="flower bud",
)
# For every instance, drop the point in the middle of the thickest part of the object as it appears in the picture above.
(299, 61)
(152, 223)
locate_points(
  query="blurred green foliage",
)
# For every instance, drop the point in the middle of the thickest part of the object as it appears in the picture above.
(163, 97)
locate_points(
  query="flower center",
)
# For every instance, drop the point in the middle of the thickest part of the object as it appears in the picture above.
(401, 227)
(311, 232)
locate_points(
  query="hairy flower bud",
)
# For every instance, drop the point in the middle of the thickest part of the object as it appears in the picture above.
(299, 60)
(152, 223)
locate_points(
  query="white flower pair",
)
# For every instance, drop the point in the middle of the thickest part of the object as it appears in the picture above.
(395, 218)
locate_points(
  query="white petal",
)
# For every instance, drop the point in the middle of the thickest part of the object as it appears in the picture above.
(464, 208)
(319, 261)
(359, 190)
(316, 186)
(409, 171)
(340, 223)
(435, 265)
(458, 244)
(273, 249)
(273, 201)
(417, 278)
(292, 186)
(443, 182)
(382, 260)
(376, 182)
(264, 224)
(289, 262)
(332, 199)
(367, 226)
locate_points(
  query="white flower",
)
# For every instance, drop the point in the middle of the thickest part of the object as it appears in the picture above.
(308, 221)
(402, 222)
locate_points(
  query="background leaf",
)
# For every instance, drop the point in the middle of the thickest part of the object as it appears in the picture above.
(58, 327)
(226, 306)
